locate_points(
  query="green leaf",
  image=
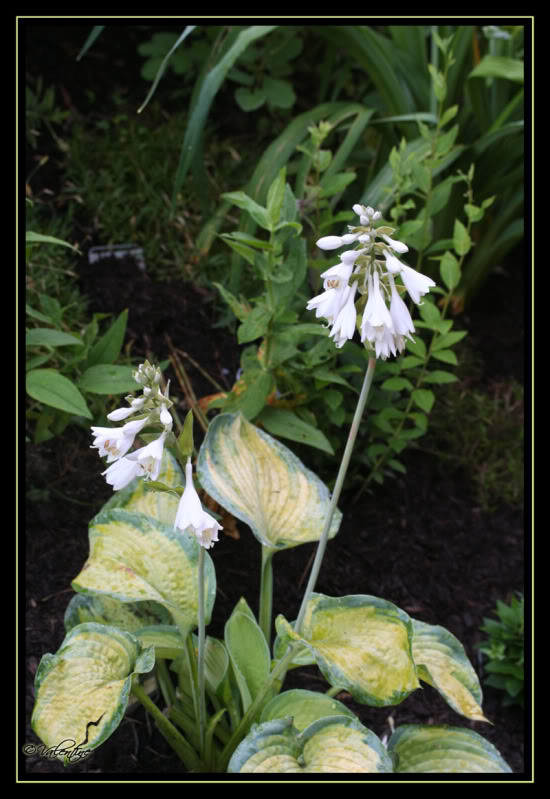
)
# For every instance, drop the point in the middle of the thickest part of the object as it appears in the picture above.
(334, 184)
(249, 654)
(335, 745)
(95, 32)
(51, 388)
(35, 238)
(256, 211)
(423, 749)
(82, 691)
(450, 270)
(136, 558)
(109, 346)
(493, 66)
(263, 483)
(417, 347)
(275, 196)
(304, 707)
(279, 92)
(424, 398)
(46, 337)
(438, 376)
(250, 99)
(185, 438)
(162, 66)
(107, 379)
(447, 356)
(255, 324)
(250, 393)
(462, 242)
(285, 423)
(240, 308)
(397, 384)
(442, 663)
(361, 643)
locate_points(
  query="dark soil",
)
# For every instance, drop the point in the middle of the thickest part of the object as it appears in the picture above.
(420, 542)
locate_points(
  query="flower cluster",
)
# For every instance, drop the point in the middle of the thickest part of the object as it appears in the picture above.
(116, 442)
(386, 321)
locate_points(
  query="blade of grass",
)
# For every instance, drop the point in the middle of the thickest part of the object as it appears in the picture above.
(160, 72)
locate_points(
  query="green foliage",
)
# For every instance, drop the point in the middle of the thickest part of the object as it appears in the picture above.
(68, 369)
(504, 650)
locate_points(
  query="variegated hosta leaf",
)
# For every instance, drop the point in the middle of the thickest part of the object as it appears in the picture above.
(136, 558)
(160, 505)
(129, 616)
(442, 662)
(422, 749)
(263, 483)
(361, 643)
(304, 707)
(333, 745)
(301, 657)
(82, 691)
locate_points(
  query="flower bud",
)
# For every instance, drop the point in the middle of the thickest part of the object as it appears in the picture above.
(329, 242)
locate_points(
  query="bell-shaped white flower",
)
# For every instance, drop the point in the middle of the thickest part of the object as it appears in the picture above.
(330, 242)
(121, 413)
(398, 246)
(416, 283)
(344, 324)
(165, 416)
(191, 517)
(149, 458)
(327, 304)
(337, 276)
(121, 473)
(393, 264)
(401, 318)
(114, 442)
(376, 312)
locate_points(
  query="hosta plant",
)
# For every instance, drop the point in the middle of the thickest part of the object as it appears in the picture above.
(137, 624)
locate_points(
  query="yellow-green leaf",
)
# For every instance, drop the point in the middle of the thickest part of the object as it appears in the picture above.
(82, 691)
(160, 505)
(422, 749)
(263, 483)
(304, 707)
(442, 662)
(106, 610)
(135, 558)
(333, 745)
(361, 643)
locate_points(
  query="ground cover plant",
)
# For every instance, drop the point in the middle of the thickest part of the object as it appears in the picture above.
(272, 322)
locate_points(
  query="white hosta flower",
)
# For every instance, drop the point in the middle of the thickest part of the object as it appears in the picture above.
(337, 276)
(398, 246)
(343, 327)
(114, 442)
(415, 282)
(121, 413)
(330, 242)
(376, 312)
(192, 518)
(165, 416)
(121, 473)
(148, 458)
(327, 304)
(401, 318)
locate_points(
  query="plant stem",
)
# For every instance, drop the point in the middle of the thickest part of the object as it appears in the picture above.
(354, 429)
(176, 740)
(202, 699)
(266, 592)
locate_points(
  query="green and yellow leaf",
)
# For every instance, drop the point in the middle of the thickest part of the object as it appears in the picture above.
(333, 745)
(263, 483)
(135, 558)
(106, 610)
(304, 707)
(422, 749)
(82, 691)
(361, 643)
(442, 662)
